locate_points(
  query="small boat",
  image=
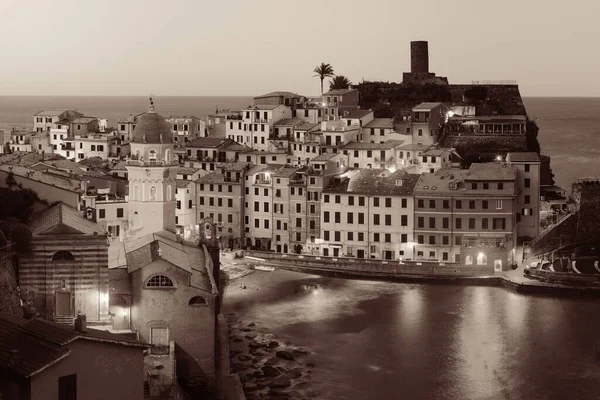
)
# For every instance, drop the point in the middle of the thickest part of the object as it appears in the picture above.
(264, 268)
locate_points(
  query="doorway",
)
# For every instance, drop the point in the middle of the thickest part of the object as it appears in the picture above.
(63, 303)
(497, 265)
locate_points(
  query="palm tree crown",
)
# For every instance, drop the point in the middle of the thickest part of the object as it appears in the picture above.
(323, 71)
(339, 82)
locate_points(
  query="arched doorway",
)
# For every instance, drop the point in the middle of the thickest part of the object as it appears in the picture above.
(285, 248)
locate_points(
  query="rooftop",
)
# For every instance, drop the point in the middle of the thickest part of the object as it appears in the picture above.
(213, 177)
(208, 142)
(426, 106)
(523, 157)
(84, 120)
(383, 123)
(63, 219)
(289, 122)
(489, 118)
(339, 92)
(186, 170)
(357, 114)
(491, 172)
(263, 107)
(324, 157)
(48, 179)
(182, 183)
(374, 182)
(389, 144)
(278, 94)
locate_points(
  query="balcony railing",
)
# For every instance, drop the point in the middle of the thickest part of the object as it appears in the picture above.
(150, 163)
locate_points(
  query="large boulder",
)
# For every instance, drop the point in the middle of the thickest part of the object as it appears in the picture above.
(270, 371)
(285, 355)
(281, 382)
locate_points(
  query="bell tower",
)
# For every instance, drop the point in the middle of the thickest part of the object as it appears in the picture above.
(152, 175)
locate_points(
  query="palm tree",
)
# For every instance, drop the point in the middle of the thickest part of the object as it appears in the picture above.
(339, 82)
(323, 71)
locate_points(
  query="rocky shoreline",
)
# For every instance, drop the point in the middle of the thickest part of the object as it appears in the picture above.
(269, 368)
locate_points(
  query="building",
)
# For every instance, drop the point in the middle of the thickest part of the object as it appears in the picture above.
(306, 144)
(109, 211)
(66, 272)
(220, 196)
(186, 129)
(419, 66)
(185, 212)
(467, 216)
(96, 144)
(336, 102)
(256, 125)
(41, 360)
(336, 133)
(373, 155)
(367, 213)
(45, 120)
(528, 198)
(289, 99)
(125, 127)
(357, 117)
(426, 123)
(20, 141)
(378, 130)
(219, 124)
(151, 171)
(211, 150)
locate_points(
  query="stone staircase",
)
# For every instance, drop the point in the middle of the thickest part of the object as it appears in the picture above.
(64, 319)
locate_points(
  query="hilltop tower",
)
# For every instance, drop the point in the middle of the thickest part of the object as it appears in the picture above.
(152, 174)
(419, 66)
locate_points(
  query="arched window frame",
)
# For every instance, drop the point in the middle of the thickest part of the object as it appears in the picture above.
(152, 155)
(197, 301)
(481, 259)
(63, 255)
(167, 155)
(151, 196)
(160, 281)
(469, 260)
(169, 195)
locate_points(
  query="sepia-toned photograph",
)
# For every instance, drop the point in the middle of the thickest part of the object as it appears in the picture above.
(314, 200)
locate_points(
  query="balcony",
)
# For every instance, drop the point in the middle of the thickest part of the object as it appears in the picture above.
(150, 163)
(384, 160)
(262, 181)
(298, 182)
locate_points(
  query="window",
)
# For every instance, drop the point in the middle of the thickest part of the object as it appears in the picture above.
(387, 238)
(388, 202)
(351, 200)
(298, 222)
(446, 204)
(326, 198)
(179, 204)
(459, 204)
(376, 202)
(458, 223)
(256, 223)
(151, 155)
(266, 224)
(350, 236)
(432, 222)
(159, 281)
(326, 216)
(527, 199)
(498, 204)
(500, 185)
(361, 236)
(420, 203)
(229, 203)
(481, 259)
(63, 256)
(338, 217)
(101, 213)
(484, 204)
(484, 223)
(420, 239)
(350, 218)
(472, 204)
(388, 220)
(326, 235)
(486, 186)
(526, 167)
(376, 237)
(404, 203)
(469, 260)
(361, 201)
(445, 223)
(337, 236)
(431, 203)
(431, 239)
(458, 240)
(474, 185)
(404, 220)
(298, 207)
(67, 387)
(361, 218)
(527, 182)
(197, 301)
(420, 222)
(189, 204)
(159, 338)
(499, 224)
(337, 199)
(471, 223)
(446, 240)
(376, 219)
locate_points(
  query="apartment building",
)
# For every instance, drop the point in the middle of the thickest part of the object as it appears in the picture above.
(467, 216)
(311, 112)
(44, 120)
(276, 154)
(94, 144)
(336, 102)
(208, 149)
(368, 214)
(378, 130)
(336, 133)
(267, 207)
(433, 159)
(373, 155)
(357, 117)
(288, 99)
(219, 123)
(125, 127)
(426, 123)
(221, 196)
(109, 211)
(528, 197)
(256, 125)
(186, 129)
(20, 141)
(306, 144)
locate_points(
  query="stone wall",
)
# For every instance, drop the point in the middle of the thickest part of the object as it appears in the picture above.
(556, 236)
(9, 296)
(588, 224)
(371, 268)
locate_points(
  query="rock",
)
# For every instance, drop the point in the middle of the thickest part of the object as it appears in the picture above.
(251, 324)
(255, 344)
(295, 373)
(243, 357)
(245, 329)
(301, 385)
(310, 365)
(282, 369)
(273, 345)
(272, 361)
(281, 382)
(300, 352)
(237, 339)
(234, 352)
(256, 360)
(278, 394)
(285, 355)
(258, 374)
(257, 352)
(249, 386)
(270, 371)
(311, 394)
(239, 366)
(251, 335)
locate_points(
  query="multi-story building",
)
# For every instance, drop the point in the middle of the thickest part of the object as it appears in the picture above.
(336, 102)
(289, 99)
(433, 159)
(125, 127)
(306, 143)
(257, 124)
(467, 216)
(426, 123)
(336, 133)
(44, 120)
(528, 197)
(311, 112)
(220, 196)
(20, 141)
(275, 155)
(357, 117)
(368, 214)
(267, 207)
(96, 144)
(373, 155)
(109, 211)
(220, 123)
(378, 130)
(186, 129)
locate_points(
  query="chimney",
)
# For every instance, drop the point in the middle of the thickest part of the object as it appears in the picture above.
(80, 323)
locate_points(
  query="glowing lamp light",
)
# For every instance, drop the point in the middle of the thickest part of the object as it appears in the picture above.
(323, 104)
(124, 311)
(410, 244)
(450, 114)
(481, 254)
(498, 158)
(392, 169)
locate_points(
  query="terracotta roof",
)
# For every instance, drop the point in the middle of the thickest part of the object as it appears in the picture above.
(52, 180)
(263, 107)
(375, 182)
(23, 353)
(152, 128)
(426, 106)
(306, 126)
(523, 157)
(233, 166)
(208, 142)
(186, 170)
(383, 123)
(182, 183)
(213, 177)
(389, 144)
(338, 92)
(491, 172)
(84, 120)
(325, 157)
(63, 219)
(289, 122)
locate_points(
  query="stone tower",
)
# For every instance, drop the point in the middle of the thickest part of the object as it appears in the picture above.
(419, 57)
(152, 174)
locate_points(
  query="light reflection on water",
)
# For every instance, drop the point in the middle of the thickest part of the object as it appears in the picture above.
(375, 340)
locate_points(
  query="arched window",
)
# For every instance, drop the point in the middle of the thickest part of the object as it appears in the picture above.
(152, 193)
(469, 260)
(152, 155)
(197, 301)
(481, 259)
(160, 281)
(137, 154)
(63, 256)
(167, 155)
(136, 193)
(168, 192)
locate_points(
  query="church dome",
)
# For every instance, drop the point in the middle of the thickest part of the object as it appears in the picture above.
(152, 128)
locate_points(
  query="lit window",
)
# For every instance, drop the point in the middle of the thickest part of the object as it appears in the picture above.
(481, 259)
(160, 281)
(152, 155)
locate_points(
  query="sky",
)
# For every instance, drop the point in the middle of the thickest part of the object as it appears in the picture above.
(251, 47)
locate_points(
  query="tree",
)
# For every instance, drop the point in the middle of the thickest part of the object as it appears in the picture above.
(18, 233)
(323, 71)
(339, 82)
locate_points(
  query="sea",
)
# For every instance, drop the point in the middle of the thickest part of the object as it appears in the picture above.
(569, 126)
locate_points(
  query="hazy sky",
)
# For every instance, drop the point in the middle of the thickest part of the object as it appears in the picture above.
(250, 47)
